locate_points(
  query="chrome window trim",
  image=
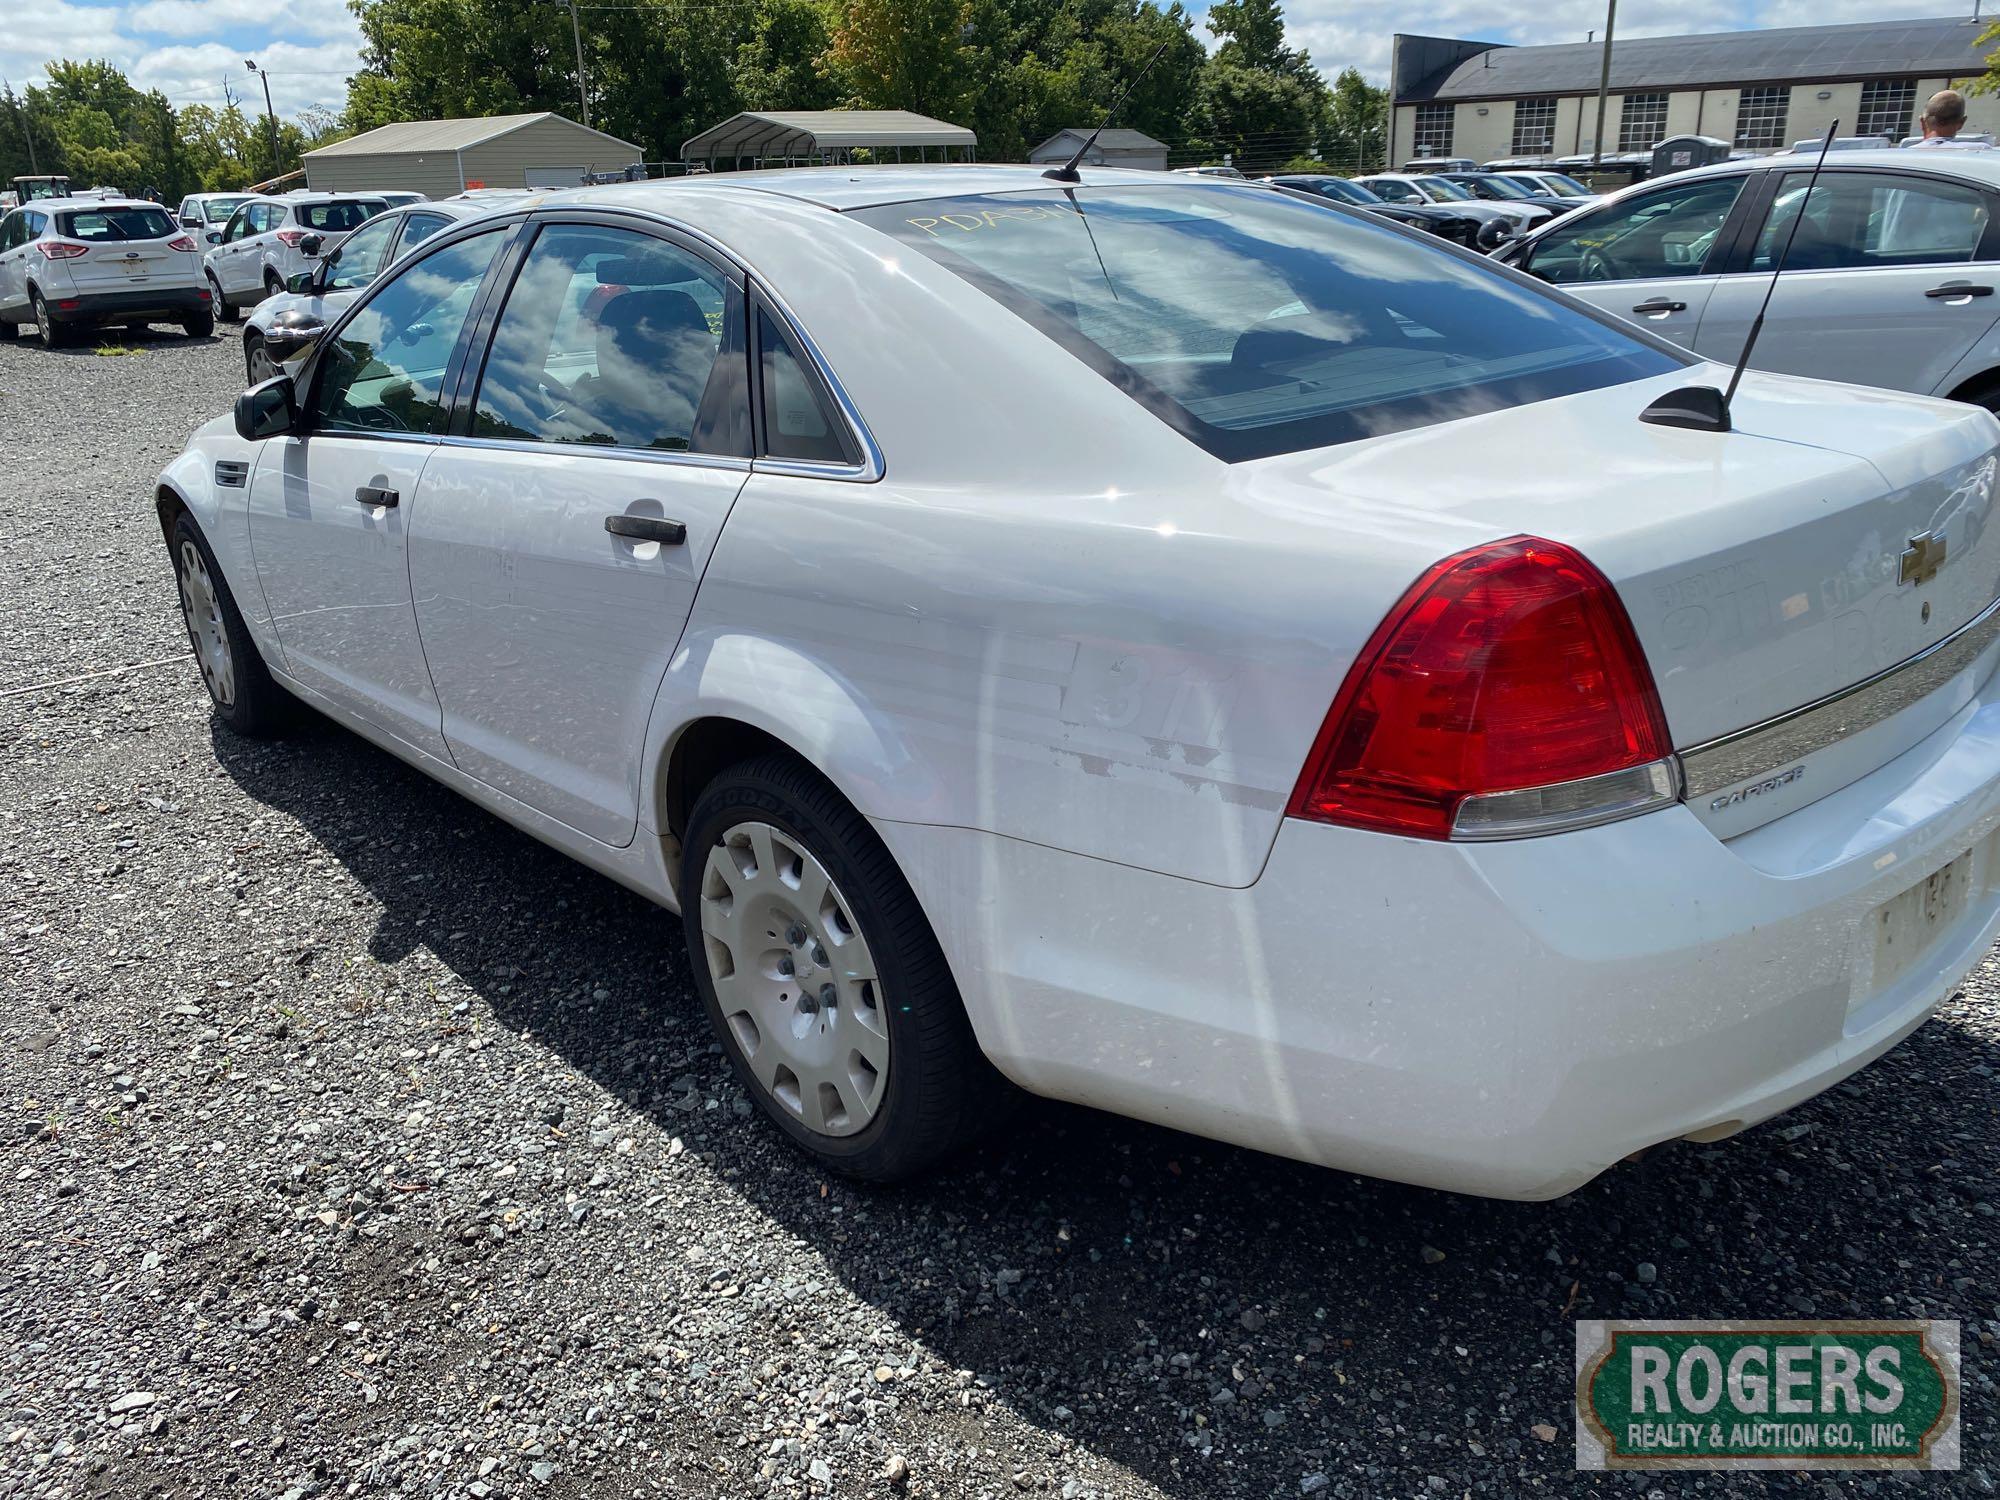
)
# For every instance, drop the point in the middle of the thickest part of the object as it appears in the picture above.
(600, 450)
(1722, 762)
(871, 468)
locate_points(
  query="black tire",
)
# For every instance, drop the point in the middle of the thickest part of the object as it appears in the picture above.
(8, 331)
(273, 287)
(257, 707)
(253, 348)
(53, 335)
(1985, 391)
(941, 1091)
(220, 303)
(201, 326)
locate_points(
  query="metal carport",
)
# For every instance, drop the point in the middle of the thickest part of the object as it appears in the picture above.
(809, 137)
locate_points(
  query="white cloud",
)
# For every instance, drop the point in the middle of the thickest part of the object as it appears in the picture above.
(205, 18)
(301, 74)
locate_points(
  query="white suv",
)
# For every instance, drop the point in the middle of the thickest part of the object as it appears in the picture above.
(206, 211)
(68, 263)
(257, 251)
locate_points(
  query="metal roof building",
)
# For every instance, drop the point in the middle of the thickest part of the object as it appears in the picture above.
(815, 136)
(1114, 148)
(440, 157)
(1757, 89)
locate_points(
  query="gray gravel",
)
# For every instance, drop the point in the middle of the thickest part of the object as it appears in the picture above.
(355, 1144)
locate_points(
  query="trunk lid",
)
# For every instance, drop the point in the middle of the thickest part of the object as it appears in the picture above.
(1763, 568)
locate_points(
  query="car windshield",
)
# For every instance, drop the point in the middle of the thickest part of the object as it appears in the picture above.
(215, 210)
(1441, 191)
(338, 218)
(1501, 187)
(1256, 324)
(1345, 191)
(1563, 187)
(107, 224)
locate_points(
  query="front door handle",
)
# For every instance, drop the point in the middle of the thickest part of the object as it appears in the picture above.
(1952, 290)
(375, 495)
(1659, 306)
(647, 529)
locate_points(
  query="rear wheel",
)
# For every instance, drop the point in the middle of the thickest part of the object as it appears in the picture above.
(823, 979)
(52, 334)
(219, 302)
(242, 690)
(7, 331)
(200, 326)
(1985, 391)
(273, 287)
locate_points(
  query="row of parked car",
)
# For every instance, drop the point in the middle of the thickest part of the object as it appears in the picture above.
(71, 262)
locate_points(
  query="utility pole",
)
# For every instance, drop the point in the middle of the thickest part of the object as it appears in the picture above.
(582, 84)
(27, 131)
(1603, 83)
(270, 115)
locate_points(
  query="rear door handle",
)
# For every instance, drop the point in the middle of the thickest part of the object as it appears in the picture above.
(1959, 289)
(647, 529)
(1660, 305)
(375, 495)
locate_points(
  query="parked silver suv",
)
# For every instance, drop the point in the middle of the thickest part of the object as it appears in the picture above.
(70, 263)
(257, 252)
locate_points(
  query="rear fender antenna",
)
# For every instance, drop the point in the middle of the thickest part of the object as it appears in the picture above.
(1067, 172)
(1703, 407)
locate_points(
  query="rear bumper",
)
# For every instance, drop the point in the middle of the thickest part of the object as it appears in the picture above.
(1503, 1019)
(165, 303)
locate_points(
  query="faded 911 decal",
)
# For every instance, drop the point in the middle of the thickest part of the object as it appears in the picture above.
(1767, 1395)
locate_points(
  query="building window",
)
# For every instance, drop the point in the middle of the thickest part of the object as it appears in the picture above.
(1534, 127)
(1642, 121)
(1887, 107)
(1433, 130)
(1760, 118)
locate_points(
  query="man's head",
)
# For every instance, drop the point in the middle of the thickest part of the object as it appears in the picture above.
(1945, 113)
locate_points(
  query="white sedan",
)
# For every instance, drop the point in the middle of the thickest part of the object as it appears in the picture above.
(1210, 655)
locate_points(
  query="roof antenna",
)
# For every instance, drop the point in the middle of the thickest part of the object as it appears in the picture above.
(1703, 407)
(1067, 172)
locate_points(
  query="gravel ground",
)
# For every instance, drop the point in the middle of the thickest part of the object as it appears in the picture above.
(359, 1145)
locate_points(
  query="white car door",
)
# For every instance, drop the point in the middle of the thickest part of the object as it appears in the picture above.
(330, 504)
(1880, 286)
(555, 551)
(14, 263)
(226, 259)
(1650, 258)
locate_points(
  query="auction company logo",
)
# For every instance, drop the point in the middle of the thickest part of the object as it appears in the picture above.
(1767, 1395)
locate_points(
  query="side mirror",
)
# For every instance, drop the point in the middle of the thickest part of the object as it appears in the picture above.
(1493, 234)
(214, 236)
(267, 410)
(190, 222)
(300, 283)
(310, 245)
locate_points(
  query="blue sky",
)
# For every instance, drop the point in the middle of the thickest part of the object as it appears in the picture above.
(194, 49)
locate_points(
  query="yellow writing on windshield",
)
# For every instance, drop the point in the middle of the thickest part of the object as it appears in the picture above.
(986, 218)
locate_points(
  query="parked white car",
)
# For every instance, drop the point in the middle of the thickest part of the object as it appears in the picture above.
(1418, 187)
(205, 211)
(67, 264)
(1890, 280)
(282, 328)
(258, 252)
(1084, 634)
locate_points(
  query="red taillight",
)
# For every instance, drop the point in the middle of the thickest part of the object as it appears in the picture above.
(181, 242)
(290, 237)
(60, 250)
(1507, 666)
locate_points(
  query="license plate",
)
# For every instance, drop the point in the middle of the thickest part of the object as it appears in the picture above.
(1907, 925)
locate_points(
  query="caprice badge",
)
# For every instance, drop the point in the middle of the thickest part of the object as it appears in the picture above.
(1921, 560)
(1758, 788)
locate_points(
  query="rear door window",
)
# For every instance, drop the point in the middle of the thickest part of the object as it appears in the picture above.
(798, 420)
(1256, 323)
(1871, 221)
(334, 218)
(1668, 233)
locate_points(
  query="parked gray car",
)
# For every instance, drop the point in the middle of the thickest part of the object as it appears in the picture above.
(283, 327)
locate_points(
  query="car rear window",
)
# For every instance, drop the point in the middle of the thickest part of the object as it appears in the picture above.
(339, 217)
(1258, 323)
(103, 225)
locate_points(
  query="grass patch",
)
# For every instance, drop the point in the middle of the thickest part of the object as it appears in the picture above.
(113, 351)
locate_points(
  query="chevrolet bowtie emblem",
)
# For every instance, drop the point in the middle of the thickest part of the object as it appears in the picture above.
(1921, 559)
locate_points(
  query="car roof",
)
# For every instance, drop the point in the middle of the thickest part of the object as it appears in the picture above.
(1976, 164)
(842, 188)
(94, 205)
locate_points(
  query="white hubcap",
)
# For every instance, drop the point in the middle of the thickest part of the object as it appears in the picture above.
(261, 368)
(794, 979)
(205, 628)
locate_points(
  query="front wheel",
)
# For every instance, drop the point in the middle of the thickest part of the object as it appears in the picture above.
(272, 286)
(245, 696)
(257, 362)
(823, 979)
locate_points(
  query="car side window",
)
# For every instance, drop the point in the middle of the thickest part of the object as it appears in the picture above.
(384, 370)
(1668, 233)
(610, 337)
(1871, 221)
(11, 237)
(799, 421)
(237, 226)
(1396, 192)
(419, 227)
(360, 257)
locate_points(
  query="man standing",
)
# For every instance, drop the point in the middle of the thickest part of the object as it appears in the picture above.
(1944, 117)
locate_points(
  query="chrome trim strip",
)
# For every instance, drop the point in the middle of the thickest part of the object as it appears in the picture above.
(1767, 747)
(871, 468)
(603, 450)
(1564, 806)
